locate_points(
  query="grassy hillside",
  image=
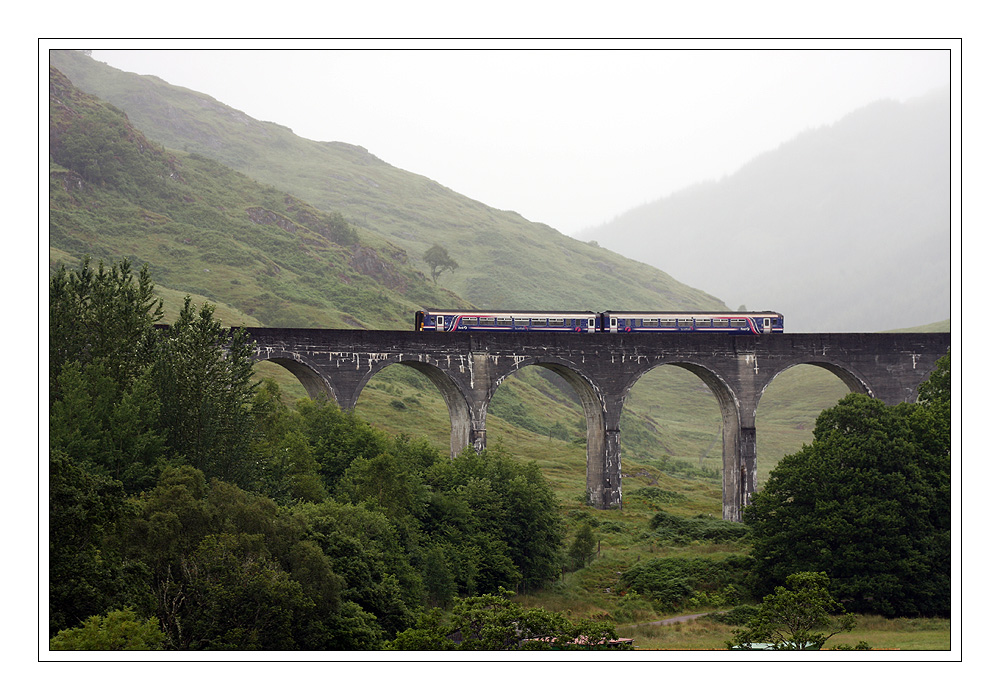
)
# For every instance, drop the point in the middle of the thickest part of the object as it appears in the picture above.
(504, 260)
(205, 229)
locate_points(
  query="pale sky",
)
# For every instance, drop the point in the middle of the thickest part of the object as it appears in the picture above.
(571, 134)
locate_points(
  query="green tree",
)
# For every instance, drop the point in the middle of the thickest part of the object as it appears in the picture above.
(868, 502)
(514, 504)
(366, 550)
(87, 572)
(119, 630)
(241, 599)
(112, 430)
(337, 439)
(103, 406)
(288, 470)
(582, 549)
(204, 377)
(796, 617)
(438, 260)
(438, 579)
(429, 634)
(105, 314)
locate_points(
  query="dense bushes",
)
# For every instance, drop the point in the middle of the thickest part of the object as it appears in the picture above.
(679, 530)
(868, 502)
(182, 491)
(672, 581)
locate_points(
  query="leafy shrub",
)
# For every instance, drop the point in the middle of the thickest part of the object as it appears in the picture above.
(672, 581)
(680, 530)
(119, 630)
(631, 607)
(658, 495)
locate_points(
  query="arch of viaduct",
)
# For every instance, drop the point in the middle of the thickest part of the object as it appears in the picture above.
(468, 368)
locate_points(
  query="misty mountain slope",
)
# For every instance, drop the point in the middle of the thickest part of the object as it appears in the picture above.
(504, 260)
(205, 229)
(844, 228)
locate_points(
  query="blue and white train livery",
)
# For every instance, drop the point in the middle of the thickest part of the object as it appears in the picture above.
(729, 322)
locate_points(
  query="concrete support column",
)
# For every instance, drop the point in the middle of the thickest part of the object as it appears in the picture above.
(604, 453)
(477, 433)
(481, 389)
(747, 483)
(611, 473)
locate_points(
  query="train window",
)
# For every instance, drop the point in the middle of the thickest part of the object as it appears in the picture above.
(557, 322)
(539, 322)
(503, 321)
(739, 322)
(487, 321)
(520, 322)
(720, 323)
(702, 322)
(650, 323)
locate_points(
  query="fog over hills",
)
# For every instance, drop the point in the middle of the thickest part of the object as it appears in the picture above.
(844, 228)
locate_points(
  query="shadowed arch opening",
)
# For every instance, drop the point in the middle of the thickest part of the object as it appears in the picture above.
(736, 455)
(459, 412)
(416, 389)
(310, 380)
(585, 395)
(790, 403)
(788, 407)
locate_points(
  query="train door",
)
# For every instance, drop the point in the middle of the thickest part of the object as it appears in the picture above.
(591, 325)
(767, 325)
(439, 323)
(613, 324)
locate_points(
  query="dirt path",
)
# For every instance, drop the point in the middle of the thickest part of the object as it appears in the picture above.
(672, 620)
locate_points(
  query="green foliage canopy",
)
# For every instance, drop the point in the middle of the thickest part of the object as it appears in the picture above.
(119, 630)
(439, 260)
(796, 617)
(179, 489)
(868, 502)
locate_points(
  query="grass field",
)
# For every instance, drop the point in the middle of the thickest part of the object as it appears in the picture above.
(903, 634)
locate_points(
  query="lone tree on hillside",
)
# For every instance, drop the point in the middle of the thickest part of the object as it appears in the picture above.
(438, 261)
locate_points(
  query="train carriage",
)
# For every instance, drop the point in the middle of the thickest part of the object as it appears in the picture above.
(728, 322)
(475, 320)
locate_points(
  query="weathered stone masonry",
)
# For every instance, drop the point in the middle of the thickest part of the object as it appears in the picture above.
(468, 367)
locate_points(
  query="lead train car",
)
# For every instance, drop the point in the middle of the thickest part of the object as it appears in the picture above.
(729, 322)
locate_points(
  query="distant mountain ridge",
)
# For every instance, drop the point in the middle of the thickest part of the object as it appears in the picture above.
(843, 228)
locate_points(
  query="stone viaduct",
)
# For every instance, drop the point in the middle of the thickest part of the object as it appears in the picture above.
(469, 367)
